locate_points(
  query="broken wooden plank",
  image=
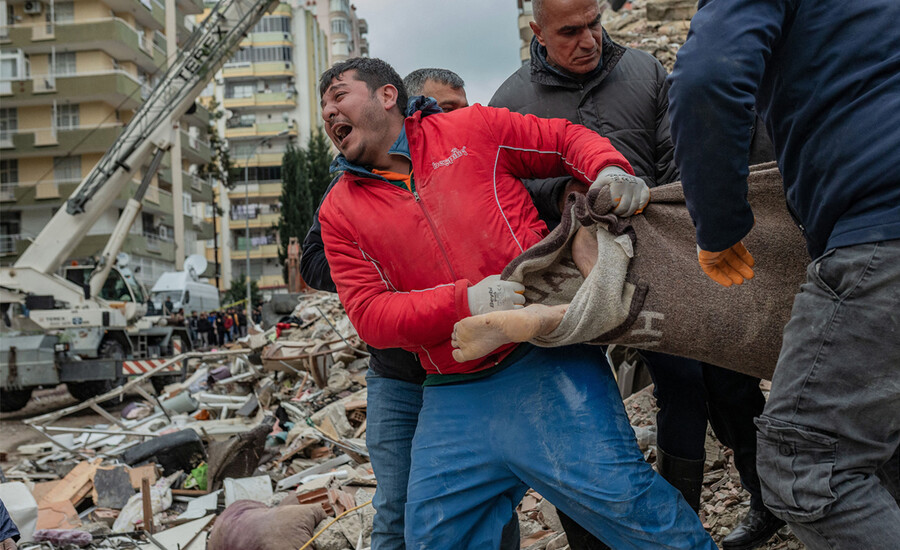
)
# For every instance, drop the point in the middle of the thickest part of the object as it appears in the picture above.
(57, 515)
(76, 485)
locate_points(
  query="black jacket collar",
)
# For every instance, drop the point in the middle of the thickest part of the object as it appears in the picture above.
(543, 73)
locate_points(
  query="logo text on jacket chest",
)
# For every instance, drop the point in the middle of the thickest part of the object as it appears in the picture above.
(454, 155)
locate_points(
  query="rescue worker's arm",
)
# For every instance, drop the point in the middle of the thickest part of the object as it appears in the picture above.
(383, 316)
(711, 99)
(531, 147)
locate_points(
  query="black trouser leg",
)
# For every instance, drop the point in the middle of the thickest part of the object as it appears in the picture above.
(579, 538)
(734, 401)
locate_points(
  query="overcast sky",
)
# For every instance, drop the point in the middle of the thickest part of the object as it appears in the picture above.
(477, 39)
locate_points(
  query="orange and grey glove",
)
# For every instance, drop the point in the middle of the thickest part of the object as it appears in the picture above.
(492, 294)
(630, 194)
(731, 266)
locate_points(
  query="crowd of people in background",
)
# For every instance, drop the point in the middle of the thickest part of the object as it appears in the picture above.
(212, 328)
(217, 328)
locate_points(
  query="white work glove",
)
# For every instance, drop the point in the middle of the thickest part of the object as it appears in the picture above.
(492, 294)
(629, 193)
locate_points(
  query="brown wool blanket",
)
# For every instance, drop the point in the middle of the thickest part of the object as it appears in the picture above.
(647, 290)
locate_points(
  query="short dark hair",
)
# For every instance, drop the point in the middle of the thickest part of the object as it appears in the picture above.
(371, 70)
(415, 81)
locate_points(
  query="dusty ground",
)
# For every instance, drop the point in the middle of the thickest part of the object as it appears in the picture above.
(723, 501)
(14, 433)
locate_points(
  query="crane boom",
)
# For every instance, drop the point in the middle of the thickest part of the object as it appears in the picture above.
(207, 49)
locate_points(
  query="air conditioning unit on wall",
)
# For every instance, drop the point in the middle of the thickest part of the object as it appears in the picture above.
(33, 7)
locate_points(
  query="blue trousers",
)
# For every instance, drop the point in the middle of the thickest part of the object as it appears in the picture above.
(552, 421)
(391, 418)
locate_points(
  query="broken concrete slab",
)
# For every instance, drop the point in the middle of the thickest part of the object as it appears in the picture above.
(257, 488)
(112, 487)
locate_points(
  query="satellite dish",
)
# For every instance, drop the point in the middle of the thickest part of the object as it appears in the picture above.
(195, 264)
(122, 259)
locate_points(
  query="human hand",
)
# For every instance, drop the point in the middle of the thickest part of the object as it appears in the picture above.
(8, 544)
(492, 294)
(733, 265)
(630, 194)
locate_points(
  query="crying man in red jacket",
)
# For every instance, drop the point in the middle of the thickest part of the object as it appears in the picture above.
(429, 210)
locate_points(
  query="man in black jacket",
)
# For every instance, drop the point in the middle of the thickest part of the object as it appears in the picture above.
(577, 72)
(395, 376)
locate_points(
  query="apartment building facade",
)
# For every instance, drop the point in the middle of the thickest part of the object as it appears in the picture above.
(268, 91)
(73, 75)
(345, 30)
(526, 16)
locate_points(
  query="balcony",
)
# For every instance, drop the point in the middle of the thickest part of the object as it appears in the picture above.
(13, 245)
(263, 99)
(198, 189)
(190, 6)
(38, 142)
(256, 252)
(195, 149)
(266, 220)
(256, 190)
(156, 243)
(115, 87)
(259, 159)
(260, 129)
(38, 193)
(275, 38)
(270, 281)
(8, 192)
(149, 13)
(112, 35)
(248, 69)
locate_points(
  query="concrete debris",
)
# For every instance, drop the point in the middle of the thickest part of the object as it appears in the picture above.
(263, 442)
(658, 27)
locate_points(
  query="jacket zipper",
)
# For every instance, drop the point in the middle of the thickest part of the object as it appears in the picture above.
(795, 217)
(435, 232)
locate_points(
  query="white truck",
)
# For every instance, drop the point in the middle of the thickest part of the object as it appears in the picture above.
(184, 290)
(81, 326)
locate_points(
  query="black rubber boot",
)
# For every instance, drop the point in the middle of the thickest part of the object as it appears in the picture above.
(683, 474)
(754, 530)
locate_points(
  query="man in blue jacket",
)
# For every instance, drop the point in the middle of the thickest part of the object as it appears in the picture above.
(825, 76)
(9, 533)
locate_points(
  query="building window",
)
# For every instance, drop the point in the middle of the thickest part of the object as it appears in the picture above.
(273, 24)
(9, 171)
(340, 47)
(67, 117)
(340, 26)
(63, 12)
(263, 55)
(340, 5)
(234, 91)
(64, 63)
(9, 123)
(67, 168)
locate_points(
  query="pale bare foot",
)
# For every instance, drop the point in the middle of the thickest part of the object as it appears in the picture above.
(584, 250)
(477, 336)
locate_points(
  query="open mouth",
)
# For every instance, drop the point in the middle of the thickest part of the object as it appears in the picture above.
(341, 131)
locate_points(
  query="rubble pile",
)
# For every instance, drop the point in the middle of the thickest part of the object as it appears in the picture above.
(658, 27)
(262, 447)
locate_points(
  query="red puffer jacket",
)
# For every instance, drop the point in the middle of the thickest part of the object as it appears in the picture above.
(403, 261)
